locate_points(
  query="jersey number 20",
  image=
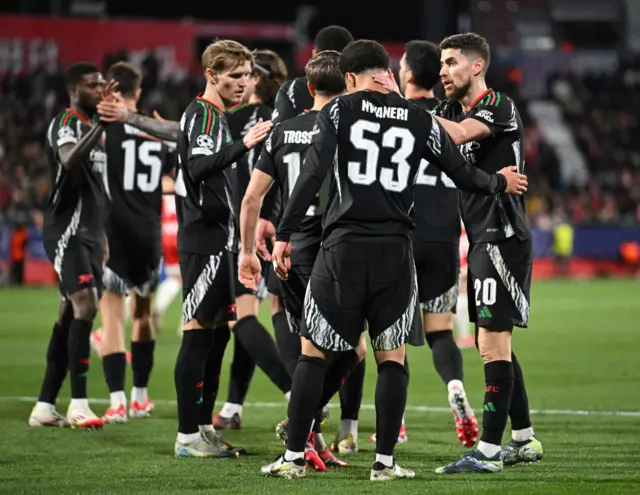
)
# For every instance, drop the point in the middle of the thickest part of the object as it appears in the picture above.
(146, 181)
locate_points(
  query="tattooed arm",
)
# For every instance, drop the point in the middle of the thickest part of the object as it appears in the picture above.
(115, 110)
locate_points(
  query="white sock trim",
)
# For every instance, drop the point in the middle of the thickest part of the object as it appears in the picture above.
(488, 449)
(522, 435)
(387, 460)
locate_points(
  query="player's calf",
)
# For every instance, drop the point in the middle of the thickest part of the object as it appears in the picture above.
(84, 303)
(114, 362)
(142, 353)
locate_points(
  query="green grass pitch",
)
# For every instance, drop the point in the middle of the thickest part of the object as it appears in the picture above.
(580, 357)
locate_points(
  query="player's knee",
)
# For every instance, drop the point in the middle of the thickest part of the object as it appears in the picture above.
(85, 304)
(436, 322)
(395, 355)
(65, 314)
(494, 344)
(309, 349)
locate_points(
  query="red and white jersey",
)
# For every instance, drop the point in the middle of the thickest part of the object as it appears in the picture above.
(464, 249)
(169, 230)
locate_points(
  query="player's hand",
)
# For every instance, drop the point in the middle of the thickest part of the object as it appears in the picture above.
(282, 259)
(249, 271)
(257, 133)
(266, 230)
(516, 183)
(387, 81)
(109, 90)
(157, 116)
(113, 109)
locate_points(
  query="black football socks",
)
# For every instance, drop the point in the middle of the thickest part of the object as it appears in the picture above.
(447, 357)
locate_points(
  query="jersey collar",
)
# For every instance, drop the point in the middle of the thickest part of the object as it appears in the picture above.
(200, 98)
(79, 116)
(480, 98)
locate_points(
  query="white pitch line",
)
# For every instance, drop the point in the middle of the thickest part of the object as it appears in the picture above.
(272, 405)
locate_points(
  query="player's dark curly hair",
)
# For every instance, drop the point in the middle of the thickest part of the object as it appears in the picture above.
(128, 77)
(273, 74)
(332, 38)
(423, 59)
(323, 71)
(75, 72)
(469, 44)
(362, 55)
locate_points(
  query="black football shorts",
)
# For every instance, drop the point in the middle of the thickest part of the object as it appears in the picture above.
(133, 265)
(208, 287)
(499, 283)
(364, 279)
(77, 262)
(438, 272)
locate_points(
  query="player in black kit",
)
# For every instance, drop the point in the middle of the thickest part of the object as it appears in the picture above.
(269, 73)
(73, 240)
(487, 126)
(371, 143)
(137, 164)
(207, 240)
(293, 98)
(279, 164)
(436, 243)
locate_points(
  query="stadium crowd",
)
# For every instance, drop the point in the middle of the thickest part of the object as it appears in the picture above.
(599, 109)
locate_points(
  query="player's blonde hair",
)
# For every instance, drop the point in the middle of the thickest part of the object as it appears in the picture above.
(225, 55)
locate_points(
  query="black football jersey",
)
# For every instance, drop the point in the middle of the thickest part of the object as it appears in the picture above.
(493, 218)
(436, 211)
(292, 99)
(205, 180)
(241, 118)
(135, 166)
(77, 205)
(372, 143)
(282, 158)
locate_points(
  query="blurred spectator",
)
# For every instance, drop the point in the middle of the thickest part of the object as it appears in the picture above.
(18, 251)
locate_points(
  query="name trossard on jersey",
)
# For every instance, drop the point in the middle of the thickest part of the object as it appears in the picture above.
(436, 210)
(281, 158)
(205, 208)
(136, 164)
(492, 218)
(241, 118)
(292, 99)
(372, 143)
(76, 205)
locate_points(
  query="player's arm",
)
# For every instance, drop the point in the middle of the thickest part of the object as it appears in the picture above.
(284, 108)
(168, 184)
(491, 118)
(259, 185)
(204, 162)
(316, 165)
(115, 110)
(263, 177)
(70, 149)
(466, 131)
(442, 152)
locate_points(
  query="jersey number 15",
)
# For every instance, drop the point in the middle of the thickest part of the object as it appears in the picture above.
(146, 154)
